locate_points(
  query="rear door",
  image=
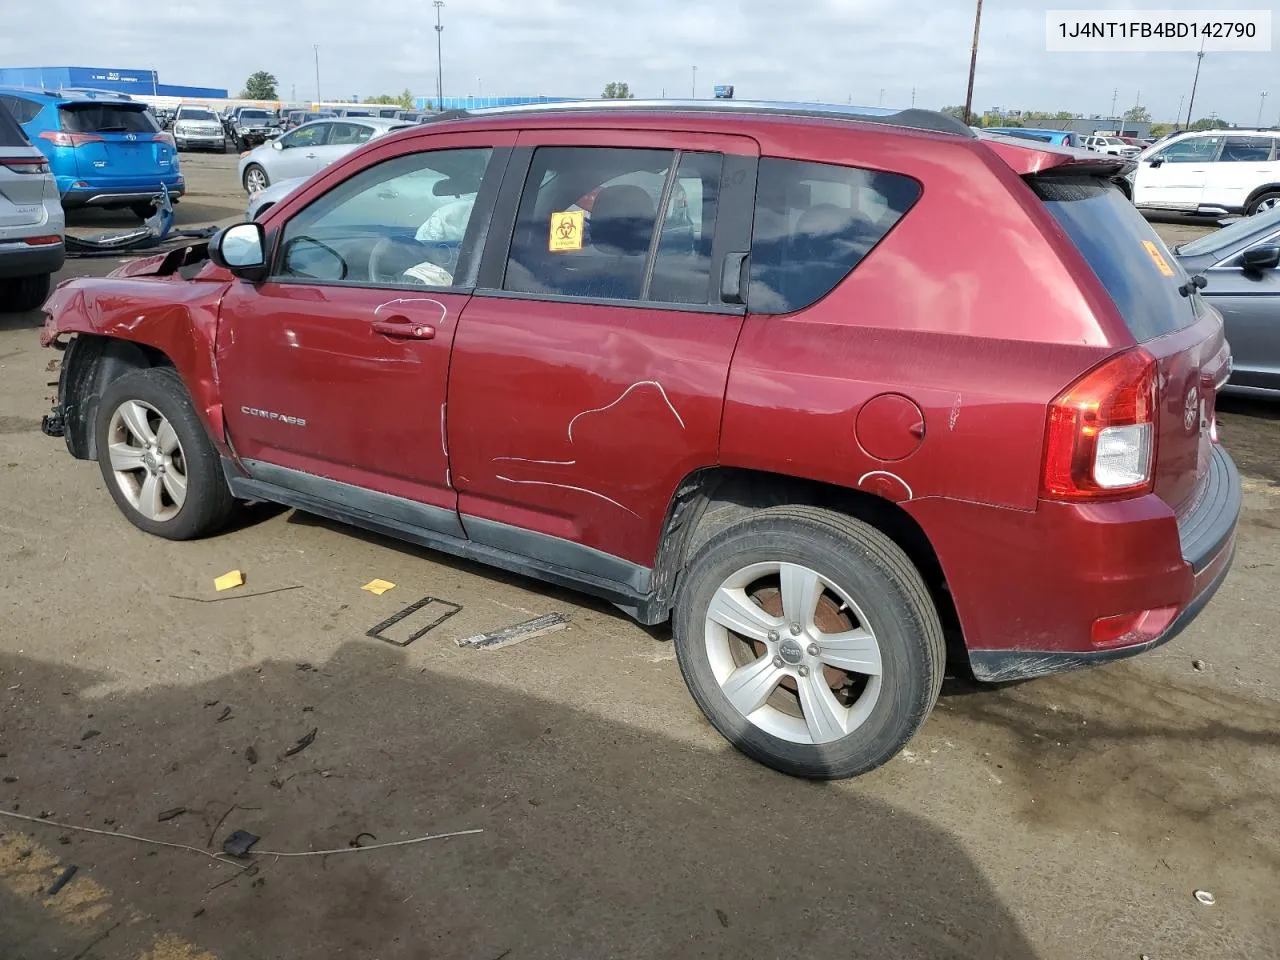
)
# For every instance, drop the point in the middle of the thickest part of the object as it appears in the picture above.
(24, 174)
(1175, 177)
(1163, 313)
(589, 370)
(1250, 307)
(343, 137)
(119, 139)
(1244, 164)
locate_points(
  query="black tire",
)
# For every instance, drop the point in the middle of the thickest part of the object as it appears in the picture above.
(223, 148)
(266, 180)
(24, 293)
(143, 211)
(1256, 203)
(208, 503)
(880, 579)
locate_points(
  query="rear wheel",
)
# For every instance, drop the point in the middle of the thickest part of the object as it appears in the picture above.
(1264, 202)
(156, 458)
(810, 641)
(255, 179)
(24, 293)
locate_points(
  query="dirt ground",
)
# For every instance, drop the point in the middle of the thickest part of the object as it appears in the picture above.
(1073, 816)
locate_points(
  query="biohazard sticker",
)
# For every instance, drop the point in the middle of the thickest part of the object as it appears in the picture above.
(566, 231)
(1158, 258)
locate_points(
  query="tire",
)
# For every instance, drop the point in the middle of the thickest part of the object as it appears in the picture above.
(878, 589)
(24, 293)
(143, 211)
(1264, 201)
(250, 172)
(158, 396)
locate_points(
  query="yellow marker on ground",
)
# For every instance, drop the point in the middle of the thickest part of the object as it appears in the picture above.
(378, 587)
(228, 580)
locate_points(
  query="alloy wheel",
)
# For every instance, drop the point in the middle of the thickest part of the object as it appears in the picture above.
(256, 180)
(147, 461)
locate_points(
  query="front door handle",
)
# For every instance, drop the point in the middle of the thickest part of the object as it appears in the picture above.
(402, 328)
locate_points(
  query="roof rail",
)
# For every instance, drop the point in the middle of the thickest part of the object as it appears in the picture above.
(912, 119)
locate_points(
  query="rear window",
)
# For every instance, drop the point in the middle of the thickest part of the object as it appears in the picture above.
(814, 222)
(11, 134)
(105, 118)
(1128, 257)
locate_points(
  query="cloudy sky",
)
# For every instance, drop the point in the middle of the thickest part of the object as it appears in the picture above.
(833, 50)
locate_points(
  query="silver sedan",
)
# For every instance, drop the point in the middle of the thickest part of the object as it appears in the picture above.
(305, 149)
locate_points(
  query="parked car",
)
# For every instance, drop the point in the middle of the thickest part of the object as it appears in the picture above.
(107, 153)
(198, 128)
(1062, 138)
(1240, 265)
(409, 116)
(31, 220)
(305, 149)
(818, 430)
(1212, 172)
(249, 126)
(296, 118)
(1114, 146)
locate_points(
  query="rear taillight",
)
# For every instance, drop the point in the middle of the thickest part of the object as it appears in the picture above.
(1100, 438)
(163, 138)
(26, 164)
(60, 139)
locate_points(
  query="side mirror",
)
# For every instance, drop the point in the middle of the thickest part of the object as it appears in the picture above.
(1263, 257)
(1156, 161)
(277, 145)
(240, 249)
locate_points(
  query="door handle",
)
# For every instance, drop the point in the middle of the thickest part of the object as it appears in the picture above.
(402, 328)
(311, 156)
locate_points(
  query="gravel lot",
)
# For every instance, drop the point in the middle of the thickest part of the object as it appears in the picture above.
(1073, 816)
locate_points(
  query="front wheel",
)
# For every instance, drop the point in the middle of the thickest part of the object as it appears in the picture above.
(1265, 202)
(156, 458)
(255, 179)
(810, 641)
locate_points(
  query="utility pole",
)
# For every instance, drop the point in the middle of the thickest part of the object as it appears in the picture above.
(1177, 117)
(316, 47)
(1194, 84)
(913, 98)
(693, 91)
(973, 64)
(439, 56)
(1261, 106)
(1114, 96)
(881, 103)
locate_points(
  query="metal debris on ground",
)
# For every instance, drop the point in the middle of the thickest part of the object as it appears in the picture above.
(63, 879)
(378, 587)
(447, 610)
(1198, 664)
(356, 840)
(303, 742)
(171, 813)
(518, 633)
(224, 715)
(235, 596)
(1205, 897)
(239, 843)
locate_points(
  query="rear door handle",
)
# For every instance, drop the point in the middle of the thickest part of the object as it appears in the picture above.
(402, 328)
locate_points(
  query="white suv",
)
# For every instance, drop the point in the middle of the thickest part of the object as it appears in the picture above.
(31, 221)
(1213, 172)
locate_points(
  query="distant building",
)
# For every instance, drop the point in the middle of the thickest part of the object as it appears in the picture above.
(142, 83)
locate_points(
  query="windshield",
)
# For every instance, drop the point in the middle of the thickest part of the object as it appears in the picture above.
(253, 114)
(1260, 224)
(105, 118)
(187, 113)
(1128, 257)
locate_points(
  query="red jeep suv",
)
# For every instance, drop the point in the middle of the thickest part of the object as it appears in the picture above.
(844, 394)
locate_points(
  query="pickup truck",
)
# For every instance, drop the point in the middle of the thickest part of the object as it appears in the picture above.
(247, 127)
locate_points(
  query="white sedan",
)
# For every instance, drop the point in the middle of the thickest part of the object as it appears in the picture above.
(305, 149)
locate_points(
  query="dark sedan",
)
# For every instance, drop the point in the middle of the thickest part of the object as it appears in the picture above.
(1241, 269)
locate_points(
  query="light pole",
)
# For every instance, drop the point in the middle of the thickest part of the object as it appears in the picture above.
(913, 98)
(1177, 117)
(316, 47)
(973, 64)
(1194, 83)
(693, 90)
(439, 56)
(881, 102)
(1261, 106)
(1115, 95)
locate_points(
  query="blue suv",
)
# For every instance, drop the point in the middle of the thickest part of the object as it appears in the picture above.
(105, 151)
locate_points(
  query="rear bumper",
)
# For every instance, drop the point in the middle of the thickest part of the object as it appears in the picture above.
(1028, 588)
(121, 195)
(22, 260)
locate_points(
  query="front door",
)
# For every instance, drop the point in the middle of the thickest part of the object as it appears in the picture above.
(589, 370)
(1248, 302)
(299, 151)
(1175, 177)
(334, 370)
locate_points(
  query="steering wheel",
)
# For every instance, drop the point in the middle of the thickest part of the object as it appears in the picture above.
(388, 261)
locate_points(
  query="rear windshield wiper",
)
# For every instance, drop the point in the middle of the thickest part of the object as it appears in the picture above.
(120, 129)
(1198, 282)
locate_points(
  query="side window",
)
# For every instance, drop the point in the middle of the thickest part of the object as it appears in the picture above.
(405, 222)
(586, 221)
(314, 135)
(1246, 150)
(814, 222)
(22, 109)
(348, 133)
(1194, 150)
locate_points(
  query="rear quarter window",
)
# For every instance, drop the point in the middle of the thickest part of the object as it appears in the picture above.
(22, 109)
(105, 118)
(814, 223)
(11, 135)
(1124, 252)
